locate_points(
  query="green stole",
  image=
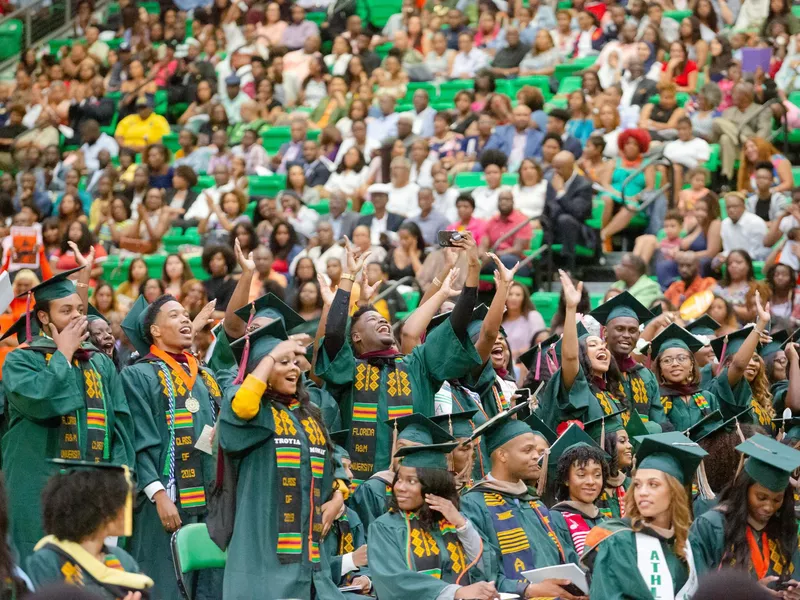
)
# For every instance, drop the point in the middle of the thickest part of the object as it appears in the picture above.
(367, 390)
(183, 468)
(288, 454)
(518, 556)
(98, 447)
(423, 552)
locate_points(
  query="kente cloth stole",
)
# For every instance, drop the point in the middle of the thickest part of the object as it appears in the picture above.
(637, 397)
(764, 553)
(346, 543)
(578, 529)
(610, 405)
(764, 418)
(289, 441)
(422, 551)
(183, 464)
(698, 399)
(69, 432)
(619, 496)
(518, 556)
(366, 401)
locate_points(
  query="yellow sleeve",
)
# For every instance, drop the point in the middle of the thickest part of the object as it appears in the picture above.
(247, 401)
(163, 127)
(122, 127)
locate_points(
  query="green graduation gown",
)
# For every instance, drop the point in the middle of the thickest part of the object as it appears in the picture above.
(346, 535)
(371, 498)
(701, 505)
(707, 537)
(611, 556)
(640, 387)
(779, 389)
(738, 397)
(547, 549)
(683, 414)
(464, 399)
(44, 567)
(253, 569)
(41, 388)
(392, 562)
(150, 543)
(442, 356)
(583, 401)
(612, 499)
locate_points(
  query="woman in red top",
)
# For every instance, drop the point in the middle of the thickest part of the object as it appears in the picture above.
(680, 70)
(79, 234)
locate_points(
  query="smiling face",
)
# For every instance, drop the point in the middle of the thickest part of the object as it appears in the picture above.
(622, 333)
(599, 356)
(763, 503)
(101, 336)
(173, 327)
(651, 493)
(624, 450)
(285, 374)
(675, 365)
(372, 332)
(407, 489)
(585, 481)
(500, 353)
(753, 368)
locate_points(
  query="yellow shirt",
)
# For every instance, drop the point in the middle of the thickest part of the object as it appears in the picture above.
(138, 132)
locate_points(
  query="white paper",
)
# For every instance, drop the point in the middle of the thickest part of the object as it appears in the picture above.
(6, 291)
(570, 571)
(507, 596)
(204, 441)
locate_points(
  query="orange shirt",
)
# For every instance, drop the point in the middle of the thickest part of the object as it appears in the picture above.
(677, 292)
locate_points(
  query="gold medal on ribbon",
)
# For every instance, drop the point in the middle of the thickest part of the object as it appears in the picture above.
(192, 404)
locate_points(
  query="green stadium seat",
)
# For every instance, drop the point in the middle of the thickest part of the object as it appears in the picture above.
(193, 550)
(155, 264)
(11, 31)
(266, 185)
(160, 101)
(367, 209)
(509, 179)
(170, 141)
(204, 182)
(796, 11)
(678, 15)
(317, 17)
(195, 263)
(796, 175)
(546, 303)
(56, 45)
(274, 137)
(569, 84)
(468, 180)
(116, 271)
(713, 161)
(595, 300)
(152, 8)
(449, 89)
(571, 68)
(538, 81)
(383, 49)
(379, 11)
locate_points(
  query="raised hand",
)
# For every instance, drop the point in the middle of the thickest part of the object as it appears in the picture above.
(791, 352)
(572, 294)
(450, 257)
(355, 257)
(203, 318)
(79, 258)
(247, 264)
(449, 281)
(368, 291)
(505, 275)
(762, 311)
(69, 339)
(325, 290)
(467, 244)
(447, 508)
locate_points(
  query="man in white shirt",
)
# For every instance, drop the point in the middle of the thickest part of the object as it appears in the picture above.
(320, 249)
(688, 150)
(469, 59)
(422, 114)
(222, 183)
(402, 193)
(444, 197)
(743, 230)
(485, 196)
(233, 98)
(94, 142)
(385, 125)
(655, 15)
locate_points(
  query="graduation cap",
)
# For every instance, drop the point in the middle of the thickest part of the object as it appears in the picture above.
(636, 428)
(710, 423)
(533, 358)
(790, 425)
(794, 337)
(673, 336)
(621, 305)
(656, 312)
(57, 287)
(431, 456)
(92, 314)
(254, 346)
(775, 344)
(419, 429)
(705, 326)
(727, 345)
(18, 329)
(539, 427)
(583, 333)
(598, 428)
(458, 425)
(102, 470)
(672, 453)
(769, 462)
(478, 315)
(502, 428)
(271, 307)
(573, 437)
(133, 326)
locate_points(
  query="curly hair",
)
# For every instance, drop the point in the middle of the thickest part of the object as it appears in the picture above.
(642, 137)
(722, 446)
(211, 251)
(433, 481)
(76, 505)
(579, 457)
(760, 386)
(781, 527)
(613, 376)
(610, 446)
(679, 506)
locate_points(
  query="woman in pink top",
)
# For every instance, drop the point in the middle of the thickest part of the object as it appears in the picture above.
(465, 205)
(521, 320)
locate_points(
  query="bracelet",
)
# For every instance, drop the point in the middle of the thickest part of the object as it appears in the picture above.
(436, 282)
(86, 285)
(348, 276)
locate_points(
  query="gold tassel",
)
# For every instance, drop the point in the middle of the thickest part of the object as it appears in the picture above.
(128, 520)
(741, 463)
(543, 474)
(394, 443)
(739, 431)
(603, 433)
(702, 483)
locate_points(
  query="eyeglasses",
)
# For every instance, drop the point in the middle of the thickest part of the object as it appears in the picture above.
(683, 359)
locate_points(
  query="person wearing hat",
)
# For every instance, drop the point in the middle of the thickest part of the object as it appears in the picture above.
(137, 131)
(621, 317)
(83, 506)
(737, 381)
(64, 399)
(286, 493)
(647, 554)
(581, 472)
(381, 222)
(775, 354)
(372, 381)
(234, 98)
(174, 401)
(371, 499)
(502, 507)
(753, 527)
(704, 329)
(461, 425)
(618, 444)
(424, 547)
(346, 541)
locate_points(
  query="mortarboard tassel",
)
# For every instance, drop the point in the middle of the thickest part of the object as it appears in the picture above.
(538, 363)
(741, 464)
(246, 352)
(552, 359)
(722, 361)
(394, 441)
(739, 432)
(128, 519)
(702, 482)
(28, 303)
(650, 356)
(540, 485)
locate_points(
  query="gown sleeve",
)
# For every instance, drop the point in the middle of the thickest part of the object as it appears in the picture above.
(147, 439)
(367, 504)
(707, 538)
(122, 445)
(611, 569)
(391, 576)
(336, 370)
(445, 356)
(41, 393)
(656, 411)
(237, 435)
(42, 567)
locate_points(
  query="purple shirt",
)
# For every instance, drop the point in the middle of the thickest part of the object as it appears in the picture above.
(294, 36)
